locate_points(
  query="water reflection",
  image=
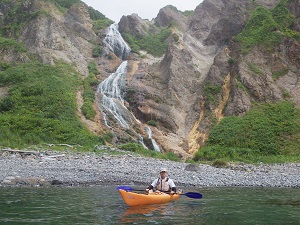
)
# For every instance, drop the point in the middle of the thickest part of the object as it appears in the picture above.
(183, 211)
(147, 213)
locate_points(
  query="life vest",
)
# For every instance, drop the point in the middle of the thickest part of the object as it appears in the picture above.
(163, 185)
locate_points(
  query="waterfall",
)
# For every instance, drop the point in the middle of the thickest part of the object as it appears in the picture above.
(141, 140)
(112, 90)
(116, 43)
(155, 145)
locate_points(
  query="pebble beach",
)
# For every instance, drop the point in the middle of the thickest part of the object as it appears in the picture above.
(86, 169)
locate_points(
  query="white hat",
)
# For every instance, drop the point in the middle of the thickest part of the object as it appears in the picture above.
(163, 170)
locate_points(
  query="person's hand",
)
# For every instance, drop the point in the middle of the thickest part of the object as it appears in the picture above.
(147, 190)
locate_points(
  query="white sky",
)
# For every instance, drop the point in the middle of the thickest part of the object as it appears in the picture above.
(146, 9)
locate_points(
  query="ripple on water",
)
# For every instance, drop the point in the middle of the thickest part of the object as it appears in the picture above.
(103, 205)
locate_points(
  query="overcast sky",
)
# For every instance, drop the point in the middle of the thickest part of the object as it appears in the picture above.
(146, 9)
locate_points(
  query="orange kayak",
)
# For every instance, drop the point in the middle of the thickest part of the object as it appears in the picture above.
(134, 199)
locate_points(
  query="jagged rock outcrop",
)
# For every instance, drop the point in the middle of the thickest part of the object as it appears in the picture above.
(136, 26)
(231, 23)
(56, 36)
(170, 15)
(206, 15)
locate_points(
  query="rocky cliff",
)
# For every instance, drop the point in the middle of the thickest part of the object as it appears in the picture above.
(209, 70)
(205, 75)
(53, 35)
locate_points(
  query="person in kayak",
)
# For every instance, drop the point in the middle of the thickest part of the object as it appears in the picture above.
(163, 183)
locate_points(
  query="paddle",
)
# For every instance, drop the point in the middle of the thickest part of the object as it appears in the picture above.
(188, 194)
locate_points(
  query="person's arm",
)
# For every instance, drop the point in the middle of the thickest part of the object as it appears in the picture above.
(172, 185)
(152, 185)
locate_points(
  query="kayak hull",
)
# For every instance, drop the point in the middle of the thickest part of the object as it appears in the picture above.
(134, 199)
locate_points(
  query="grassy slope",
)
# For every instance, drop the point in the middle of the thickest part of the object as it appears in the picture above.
(41, 106)
(154, 44)
(265, 132)
(267, 27)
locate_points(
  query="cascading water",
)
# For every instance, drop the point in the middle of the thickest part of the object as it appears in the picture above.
(155, 145)
(112, 89)
(112, 94)
(116, 43)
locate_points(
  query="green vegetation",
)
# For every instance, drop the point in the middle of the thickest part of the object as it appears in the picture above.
(175, 38)
(255, 69)
(107, 137)
(268, 131)
(15, 18)
(66, 3)
(211, 92)
(99, 20)
(97, 51)
(152, 123)
(101, 24)
(4, 65)
(285, 20)
(188, 13)
(220, 164)
(154, 44)
(279, 73)
(8, 43)
(41, 107)
(286, 95)
(266, 27)
(260, 29)
(93, 69)
(231, 61)
(89, 85)
(242, 86)
(139, 149)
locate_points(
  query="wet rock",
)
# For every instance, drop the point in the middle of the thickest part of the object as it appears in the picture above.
(9, 178)
(7, 182)
(192, 167)
(56, 182)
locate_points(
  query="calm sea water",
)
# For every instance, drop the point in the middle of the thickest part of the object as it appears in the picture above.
(103, 205)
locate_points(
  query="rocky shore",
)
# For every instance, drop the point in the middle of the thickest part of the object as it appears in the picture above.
(22, 168)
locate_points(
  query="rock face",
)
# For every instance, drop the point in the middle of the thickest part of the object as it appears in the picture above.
(206, 15)
(56, 36)
(135, 25)
(232, 21)
(173, 91)
(169, 15)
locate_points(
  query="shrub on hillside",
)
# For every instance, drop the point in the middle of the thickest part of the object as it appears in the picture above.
(41, 106)
(267, 129)
(154, 44)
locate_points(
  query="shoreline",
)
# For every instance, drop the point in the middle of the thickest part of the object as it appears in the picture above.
(90, 169)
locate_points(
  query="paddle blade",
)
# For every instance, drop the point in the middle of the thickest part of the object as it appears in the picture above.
(125, 188)
(193, 195)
